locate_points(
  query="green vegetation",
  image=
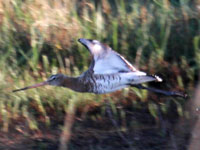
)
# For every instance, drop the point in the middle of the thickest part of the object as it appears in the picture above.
(39, 38)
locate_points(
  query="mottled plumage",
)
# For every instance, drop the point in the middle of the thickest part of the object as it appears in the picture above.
(108, 72)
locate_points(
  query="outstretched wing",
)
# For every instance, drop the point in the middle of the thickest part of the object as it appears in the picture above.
(105, 60)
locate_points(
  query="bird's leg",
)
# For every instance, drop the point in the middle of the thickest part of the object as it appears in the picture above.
(168, 93)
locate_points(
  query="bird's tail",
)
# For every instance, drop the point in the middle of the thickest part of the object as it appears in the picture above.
(145, 78)
(156, 78)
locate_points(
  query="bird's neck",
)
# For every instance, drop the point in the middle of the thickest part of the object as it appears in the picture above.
(72, 83)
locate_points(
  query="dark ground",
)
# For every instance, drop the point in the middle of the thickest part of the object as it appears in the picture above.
(139, 131)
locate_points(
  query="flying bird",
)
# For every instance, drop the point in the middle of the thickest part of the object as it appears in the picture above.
(108, 72)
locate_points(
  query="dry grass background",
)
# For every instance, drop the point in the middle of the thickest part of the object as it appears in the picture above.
(38, 38)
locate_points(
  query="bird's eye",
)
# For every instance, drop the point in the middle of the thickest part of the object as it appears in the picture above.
(52, 77)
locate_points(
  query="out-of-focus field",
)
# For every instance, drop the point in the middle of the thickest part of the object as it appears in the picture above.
(39, 38)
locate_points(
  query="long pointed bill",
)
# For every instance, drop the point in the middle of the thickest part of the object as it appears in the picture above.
(32, 86)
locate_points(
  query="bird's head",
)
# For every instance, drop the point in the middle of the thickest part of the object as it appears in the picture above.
(55, 80)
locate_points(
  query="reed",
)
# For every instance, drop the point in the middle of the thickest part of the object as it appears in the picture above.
(38, 38)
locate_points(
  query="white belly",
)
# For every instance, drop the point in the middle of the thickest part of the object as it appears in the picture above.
(106, 83)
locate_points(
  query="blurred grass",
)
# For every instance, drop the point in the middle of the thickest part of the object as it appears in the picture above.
(39, 38)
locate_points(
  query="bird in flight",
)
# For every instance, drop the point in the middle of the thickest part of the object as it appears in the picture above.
(108, 72)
